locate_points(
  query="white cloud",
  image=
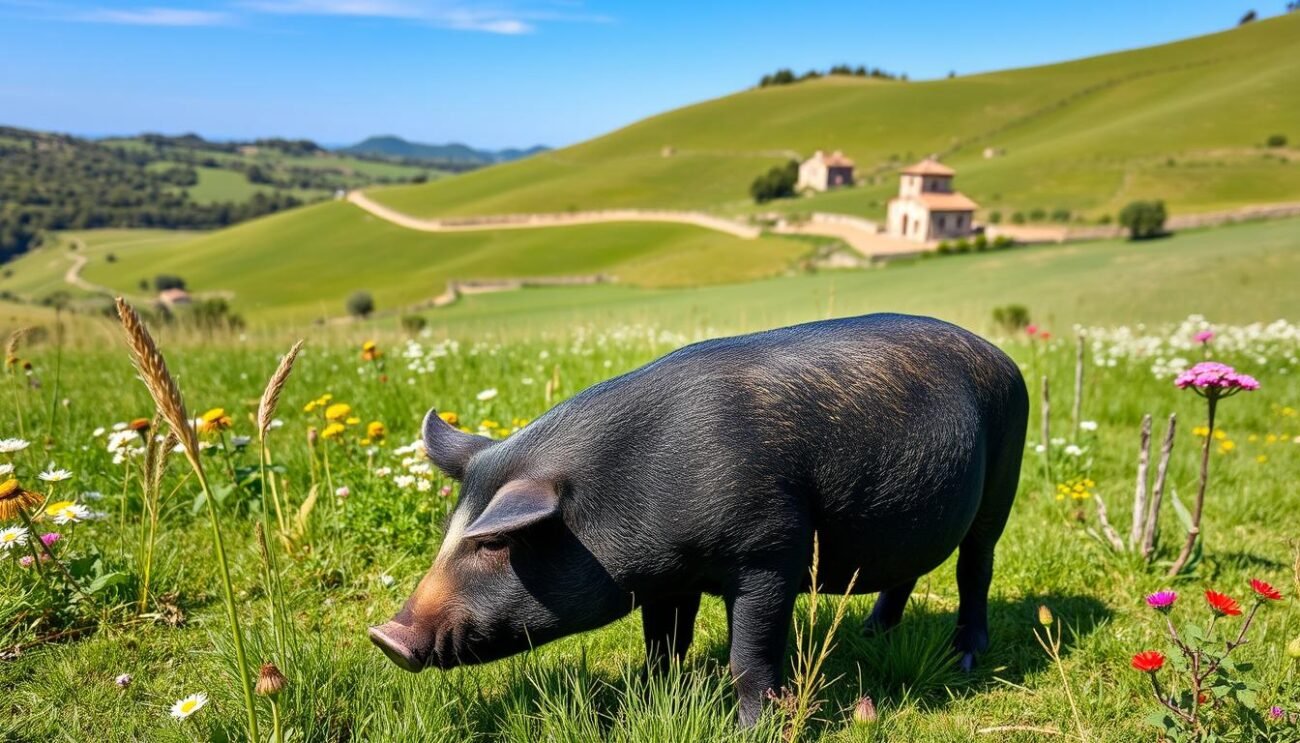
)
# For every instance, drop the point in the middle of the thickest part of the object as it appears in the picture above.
(156, 16)
(462, 16)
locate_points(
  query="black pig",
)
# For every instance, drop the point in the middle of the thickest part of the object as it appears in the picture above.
(895, 439)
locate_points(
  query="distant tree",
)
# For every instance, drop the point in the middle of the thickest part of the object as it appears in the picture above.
(1250, 16)
(1276, 140)
(163, 281)
(1144, 219)
(1017, 217)
(995, 217)
(777, 183)
(1060, 215)
(361, 304)
(413, 324)
(952, 74)
(1037, 215)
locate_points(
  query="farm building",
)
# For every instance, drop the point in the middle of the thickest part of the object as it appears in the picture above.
(822, 172)
(927, 208)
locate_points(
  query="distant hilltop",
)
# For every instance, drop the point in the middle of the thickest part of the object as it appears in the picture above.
(453, 155)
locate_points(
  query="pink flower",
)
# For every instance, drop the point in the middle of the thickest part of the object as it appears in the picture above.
(50, 538)
(1205, 336)
(343, 491)
(1219, 378)
(1276, 712)
(26, 561)
(1031, 329)
(1162, 600)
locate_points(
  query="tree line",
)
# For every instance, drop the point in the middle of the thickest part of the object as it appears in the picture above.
(786, 76)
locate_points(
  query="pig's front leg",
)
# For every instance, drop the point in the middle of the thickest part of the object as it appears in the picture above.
(758, 612)
(669, 625)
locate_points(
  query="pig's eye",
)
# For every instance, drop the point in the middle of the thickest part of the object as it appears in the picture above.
(493, 545)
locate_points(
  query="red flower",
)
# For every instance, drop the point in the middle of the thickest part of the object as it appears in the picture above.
(1031, 329)
(1264, 590)
(1222, 605)
(1149, 661)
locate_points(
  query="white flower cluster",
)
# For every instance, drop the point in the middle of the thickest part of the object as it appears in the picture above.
(422, 359)
(414, 472)
(1171, 349)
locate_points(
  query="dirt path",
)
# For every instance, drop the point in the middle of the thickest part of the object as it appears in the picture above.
(72, 276)
(561, 219)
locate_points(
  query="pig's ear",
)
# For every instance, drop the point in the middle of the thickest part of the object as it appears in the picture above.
(518, 504)
(449, 447)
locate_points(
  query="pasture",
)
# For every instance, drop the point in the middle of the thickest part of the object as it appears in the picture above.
(353, 516)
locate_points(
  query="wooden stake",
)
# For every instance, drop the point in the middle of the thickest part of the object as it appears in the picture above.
(1140, 497)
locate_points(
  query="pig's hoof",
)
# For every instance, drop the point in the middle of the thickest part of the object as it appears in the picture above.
(967, 662)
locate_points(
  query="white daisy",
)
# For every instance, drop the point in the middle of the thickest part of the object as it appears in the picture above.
(189, 705)
(14, 536)
(53, 475)
(6, 469)
(240, 442)
(487, 394)
(100, 431)
(70, 514)
(9, 446)
(1088, 425)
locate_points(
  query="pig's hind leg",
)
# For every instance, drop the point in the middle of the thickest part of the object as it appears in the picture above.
(669, 626)
(888, 611)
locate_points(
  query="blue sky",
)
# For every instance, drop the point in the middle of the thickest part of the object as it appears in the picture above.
(507, 72)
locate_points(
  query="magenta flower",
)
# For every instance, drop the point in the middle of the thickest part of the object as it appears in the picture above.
(1212, 378)
(1205, 336)
(1162, 600)
(1276, 712)
(26, 561)
(50, 538)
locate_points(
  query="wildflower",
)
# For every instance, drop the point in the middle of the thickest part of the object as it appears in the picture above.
(53, 475)
(449, 418)
(189, 705)
(333, 431)
(215, 421)
(1148, 661)
(1074, 450)
(139, 425)
(6, 469)
(375, 431)
(370, 351)
(1088, 425)
(14, 536)
(1222, 604)
(1293, 649)
(1276, 712)
(1031, 329)
(26, 561)
(1221, 378)
(239, 442)
(383, 471)
(486, 394)
(444, 491)
(338, 411)
(387, 580)
(1045, 617)
(49, 538)
(864, 711)
(14, 498)
(1264, 590)
(1203, 337)
(342, 491)
(1162, 601)
(67, 512)
(9, 446)
(270, 681)
(123, 680)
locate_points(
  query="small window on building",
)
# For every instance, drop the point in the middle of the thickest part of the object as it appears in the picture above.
(941, 223)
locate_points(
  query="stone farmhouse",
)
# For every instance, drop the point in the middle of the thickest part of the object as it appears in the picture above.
(822, 172)
(927, 209)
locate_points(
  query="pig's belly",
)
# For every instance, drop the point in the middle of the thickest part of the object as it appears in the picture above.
(890, 544)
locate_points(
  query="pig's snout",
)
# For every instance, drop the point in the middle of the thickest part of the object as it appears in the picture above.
(401, 644)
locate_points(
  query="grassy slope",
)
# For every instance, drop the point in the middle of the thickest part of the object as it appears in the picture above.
(40, 273)
(303, 264)
(1094, 283)
(1088, 135)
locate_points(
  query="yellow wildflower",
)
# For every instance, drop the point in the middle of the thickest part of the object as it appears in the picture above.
(14, 498)
(352, 420)
(449, 418)
(1262, 458)
(1201, 431)
(1227, 446)
(215, 421)
(333, 431)
(375, 431)
(370, 351)
(338, 411)
(1220, 435)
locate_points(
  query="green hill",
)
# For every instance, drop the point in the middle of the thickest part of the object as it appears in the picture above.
(453, 155)
(1185, 122)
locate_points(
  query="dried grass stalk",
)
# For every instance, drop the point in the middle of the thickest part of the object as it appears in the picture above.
(162, 387)
(11, 345)
(271, 395)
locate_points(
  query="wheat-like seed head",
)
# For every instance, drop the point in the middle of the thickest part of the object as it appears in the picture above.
(11, 345)
(162, 387)
(274, 386)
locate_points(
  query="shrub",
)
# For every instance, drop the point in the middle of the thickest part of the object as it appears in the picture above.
(981, 242)
(164, 281)
(1002, 241)
(995, 217)
(111, 258)
(944, 247)
(961, 246)
(1061, 215)
(1018, 218)
(1105, 219)
(413, 324)
(1012, 317)
(361, 304)
(776, 183)
(1276, 140)
(1144, 219)
(1037, 215)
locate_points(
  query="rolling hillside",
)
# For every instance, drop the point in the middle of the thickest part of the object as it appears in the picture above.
(1184, 121)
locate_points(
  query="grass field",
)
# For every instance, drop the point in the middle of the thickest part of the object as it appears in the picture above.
(353, 560)
(40, 273)
(1184, 122)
